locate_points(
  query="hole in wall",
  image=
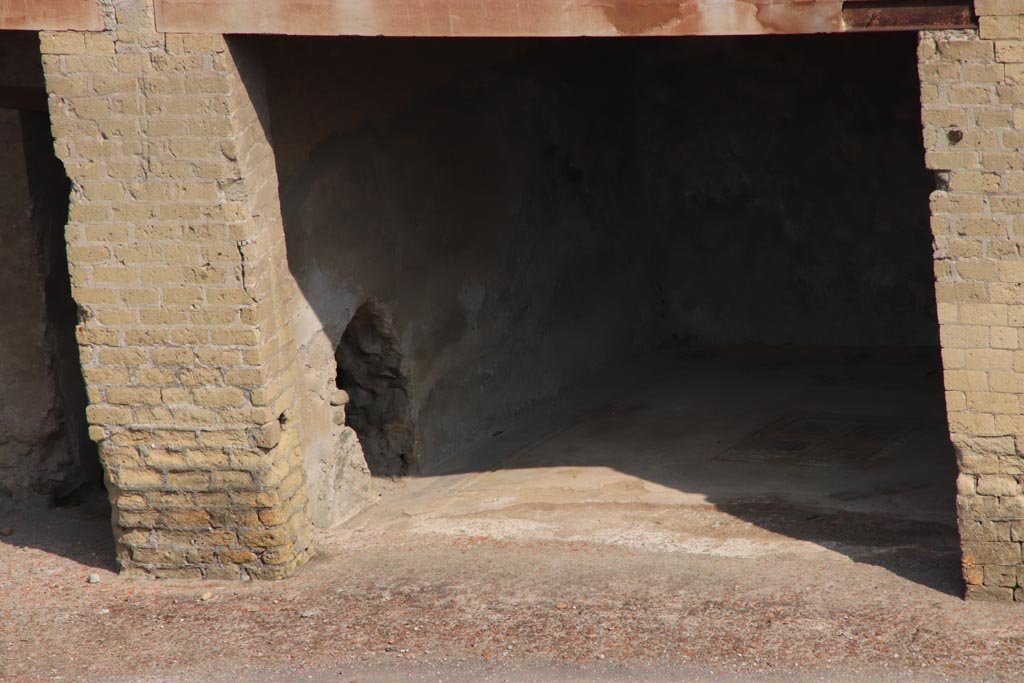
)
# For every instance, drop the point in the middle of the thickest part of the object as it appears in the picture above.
(51, 480)
(49, 189)
(370, 369)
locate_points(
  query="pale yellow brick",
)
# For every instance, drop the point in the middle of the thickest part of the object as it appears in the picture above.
(142, 296)
(982, 314)
(108, 415)
(993, 118)
(105, 375)
(998, 485)
(992, 402)
(956, 401)
(62, 42)
(1008, 7)
(215, 317)
(137, 254)
(115, 275)
(974, 181)
(108, 232)
(239, 337)
(1002, 161)
(1001, 26)
(1011, 271)
(133, 395)
(984, 359)
(189, 336)
(960, 248)
(978, 424)
(977, 270)
(1009, 51)
(964, 337)
(967, 380)
(1005, 338)
(99, 43)
(938, 72)
(175, 396)
(184, 295)
(965, 49)
(172, 357)
(134, 479)
(1006, 203)
(95, 336)
(1006, 381)
(218, 396)
(961, 292)
(162, 316)
(154, 376)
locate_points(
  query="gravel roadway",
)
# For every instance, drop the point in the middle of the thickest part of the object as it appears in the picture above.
(395, 602)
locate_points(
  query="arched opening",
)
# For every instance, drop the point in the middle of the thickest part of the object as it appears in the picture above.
(369, 359)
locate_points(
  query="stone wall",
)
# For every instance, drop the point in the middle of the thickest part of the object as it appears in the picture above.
(178, 266)
(972, 92)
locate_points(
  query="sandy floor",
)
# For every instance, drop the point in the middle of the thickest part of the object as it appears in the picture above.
(713, 518)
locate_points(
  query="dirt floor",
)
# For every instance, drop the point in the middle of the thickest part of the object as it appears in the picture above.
(796, 527)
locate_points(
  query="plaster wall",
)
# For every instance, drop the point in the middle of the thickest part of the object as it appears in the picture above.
(530, 212)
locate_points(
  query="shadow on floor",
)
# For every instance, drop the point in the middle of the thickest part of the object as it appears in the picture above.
(845, 449)
(79, 529)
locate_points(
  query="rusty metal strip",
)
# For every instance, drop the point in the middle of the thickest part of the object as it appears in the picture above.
(50, 15)
(883, 15)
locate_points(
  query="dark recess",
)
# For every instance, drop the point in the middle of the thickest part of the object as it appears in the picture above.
(50, 189)
(370, 370)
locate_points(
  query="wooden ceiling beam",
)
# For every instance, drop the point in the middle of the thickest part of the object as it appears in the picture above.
(552, 18)
(50, 15)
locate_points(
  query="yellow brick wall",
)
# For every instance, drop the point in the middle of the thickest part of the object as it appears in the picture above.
(972, 92)
(177, 260)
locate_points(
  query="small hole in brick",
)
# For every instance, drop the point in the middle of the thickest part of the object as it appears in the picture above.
(954, 135)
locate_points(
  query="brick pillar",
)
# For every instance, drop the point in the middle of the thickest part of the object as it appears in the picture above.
(972, 93)
(177, 259)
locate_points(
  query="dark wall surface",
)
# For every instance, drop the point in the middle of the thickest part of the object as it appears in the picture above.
(532, 211)
(45, 453)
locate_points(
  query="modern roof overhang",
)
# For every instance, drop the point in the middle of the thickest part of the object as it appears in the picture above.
(50, 15)
(556, 18)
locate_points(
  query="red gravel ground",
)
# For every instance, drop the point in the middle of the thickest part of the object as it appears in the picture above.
(395, 605)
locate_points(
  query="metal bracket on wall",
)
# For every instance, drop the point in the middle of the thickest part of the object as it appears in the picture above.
(907, 15)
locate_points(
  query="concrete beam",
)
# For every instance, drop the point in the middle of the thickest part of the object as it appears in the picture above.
(554, 18)
(500, 17)
(50, 15)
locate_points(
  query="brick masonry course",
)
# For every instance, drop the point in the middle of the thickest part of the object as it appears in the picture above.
(177, 261)
(971, 94)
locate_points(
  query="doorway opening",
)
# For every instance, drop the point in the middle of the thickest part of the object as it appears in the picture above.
(640, 272)
(47, 459)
